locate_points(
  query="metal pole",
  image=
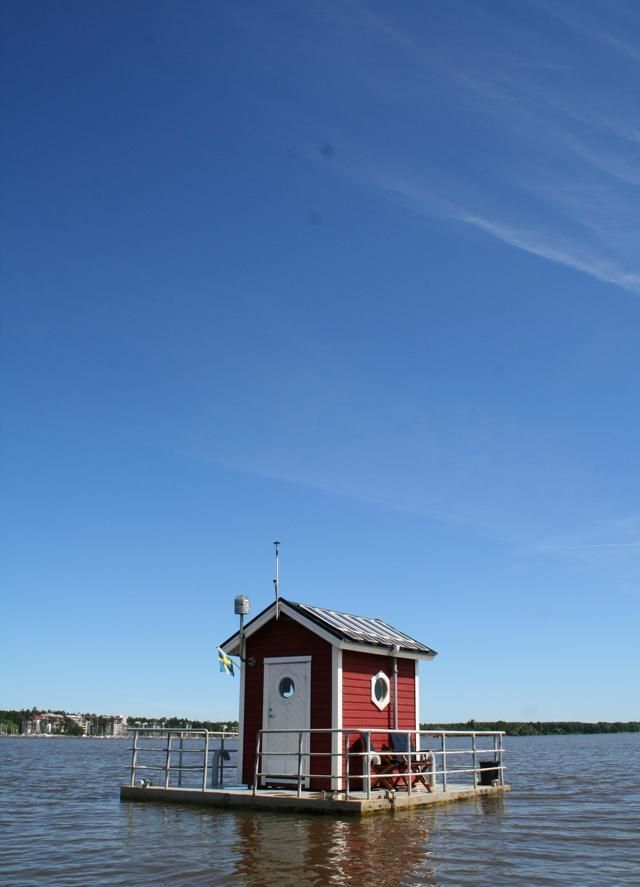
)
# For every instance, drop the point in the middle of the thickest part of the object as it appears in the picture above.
(475, 761)
(180, 760)
(168, 761)
(444, 762)
(368, 762)
(396, 650)
(299, 763)
(206, 760)
(134, 756)
(276, 583)
(256, 767)
(346, 765)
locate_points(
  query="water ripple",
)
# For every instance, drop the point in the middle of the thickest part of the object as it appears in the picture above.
(573, 818)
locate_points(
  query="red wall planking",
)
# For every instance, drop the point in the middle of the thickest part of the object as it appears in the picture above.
(357, 707)
(285, 637)
(358, 710)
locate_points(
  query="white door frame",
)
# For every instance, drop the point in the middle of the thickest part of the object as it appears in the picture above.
(285, 660)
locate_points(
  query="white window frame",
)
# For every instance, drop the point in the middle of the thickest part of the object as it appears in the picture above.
(384, 702)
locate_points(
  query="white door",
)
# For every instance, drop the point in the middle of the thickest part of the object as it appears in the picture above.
(286, 706)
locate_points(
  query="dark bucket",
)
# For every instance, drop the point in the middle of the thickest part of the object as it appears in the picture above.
(489, 772)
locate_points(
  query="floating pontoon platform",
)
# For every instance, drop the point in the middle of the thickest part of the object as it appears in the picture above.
(308, 802)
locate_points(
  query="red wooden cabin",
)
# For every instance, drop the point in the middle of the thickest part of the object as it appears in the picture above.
(307, 668)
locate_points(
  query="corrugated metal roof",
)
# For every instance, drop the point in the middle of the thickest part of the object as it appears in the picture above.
(361, 629)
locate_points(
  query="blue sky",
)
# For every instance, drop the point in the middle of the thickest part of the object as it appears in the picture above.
(362, 278)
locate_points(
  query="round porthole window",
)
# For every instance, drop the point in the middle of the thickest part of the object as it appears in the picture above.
(380, 690)
(287, 688)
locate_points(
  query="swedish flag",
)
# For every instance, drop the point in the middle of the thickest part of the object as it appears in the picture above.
(226, 665)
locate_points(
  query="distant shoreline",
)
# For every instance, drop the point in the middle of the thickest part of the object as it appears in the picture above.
(56, 736)
(542, 728)
(510, 728)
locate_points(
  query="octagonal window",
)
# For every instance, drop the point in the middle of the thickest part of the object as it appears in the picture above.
(380, 690)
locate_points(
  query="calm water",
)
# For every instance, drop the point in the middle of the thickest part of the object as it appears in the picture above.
(573, 817)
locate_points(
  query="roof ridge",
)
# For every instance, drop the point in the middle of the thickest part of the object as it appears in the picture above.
(367, 631)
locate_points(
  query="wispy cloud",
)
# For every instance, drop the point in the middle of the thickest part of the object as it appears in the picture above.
(585, 546)
(615, 536)
(322, 485)
(585, 23)
(537, 243)
(544, 241)
(565, 188)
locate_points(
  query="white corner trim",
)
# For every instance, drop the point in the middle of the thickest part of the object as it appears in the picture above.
(241, 725)
(267, 616)
(417, 689)
(336, 717)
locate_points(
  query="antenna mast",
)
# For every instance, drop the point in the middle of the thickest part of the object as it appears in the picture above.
(275, 583)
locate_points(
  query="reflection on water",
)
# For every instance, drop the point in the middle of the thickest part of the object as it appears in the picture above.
(61, 822)
(267, 848)
(334, 851)
(491, 805)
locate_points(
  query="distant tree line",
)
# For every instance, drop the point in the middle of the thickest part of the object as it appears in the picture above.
(541, 728)
(12, 720)
(176, 723)
(15, 717)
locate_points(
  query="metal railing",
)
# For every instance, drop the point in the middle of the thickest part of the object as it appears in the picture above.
(348, 761)
(446, 759)
(181, 758)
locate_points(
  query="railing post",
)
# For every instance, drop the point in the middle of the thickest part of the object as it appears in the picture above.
(475, 760)
(368, 762)
(300, 737)
(220, 777)
(346, 765)
(500, 739)
(134, 757)
(444, 762)
(256, 767)
(168, 761)
(409, 761)
(206, 760)
(180, 760)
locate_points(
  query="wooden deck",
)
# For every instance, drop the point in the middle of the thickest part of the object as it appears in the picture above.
(309, 802)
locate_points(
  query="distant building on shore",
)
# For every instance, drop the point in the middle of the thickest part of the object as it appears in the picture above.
(50, 723)
(119, 725)
(42, 722)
